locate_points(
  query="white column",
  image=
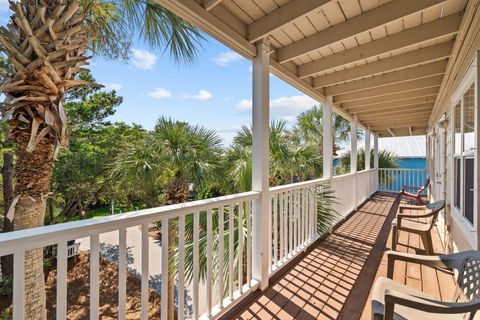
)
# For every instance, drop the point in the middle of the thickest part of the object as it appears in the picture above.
(367, 149)
(260, 164)
(375, 152)
(353, 140)
(327, 141)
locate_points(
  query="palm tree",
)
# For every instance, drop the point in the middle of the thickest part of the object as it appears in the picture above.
(386, 159)
(47, 43)
(290, 160)
(309, 128)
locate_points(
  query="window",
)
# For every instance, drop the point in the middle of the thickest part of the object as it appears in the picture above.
(469, 173)
(457, 179)
(469, 120)
(464, 154)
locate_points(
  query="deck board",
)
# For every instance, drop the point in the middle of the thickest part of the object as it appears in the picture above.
(334, 279)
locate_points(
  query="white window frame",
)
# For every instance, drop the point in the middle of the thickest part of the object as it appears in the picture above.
(468, 80)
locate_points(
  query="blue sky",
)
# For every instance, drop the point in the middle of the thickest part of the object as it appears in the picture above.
(214, 92)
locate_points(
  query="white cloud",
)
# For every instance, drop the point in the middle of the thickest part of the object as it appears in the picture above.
(160, 93)
(285, 108)
(4, 6)
(143, 59)
(114, 86)
(244, 105)
(226, 58)
(202, 95)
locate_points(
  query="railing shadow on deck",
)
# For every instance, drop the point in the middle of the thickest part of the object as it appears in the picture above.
(332, 278)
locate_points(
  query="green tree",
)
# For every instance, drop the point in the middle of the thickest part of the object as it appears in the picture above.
(44, 73)
(386, 159)
(290, 160)
(309, 129)
(81, 177)
(177, 160)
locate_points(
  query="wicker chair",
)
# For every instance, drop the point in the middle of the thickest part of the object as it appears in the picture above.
(404, 222)
(394, 301)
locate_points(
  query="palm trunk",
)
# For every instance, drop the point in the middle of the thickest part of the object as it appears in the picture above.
(7, 183)
(33, 171)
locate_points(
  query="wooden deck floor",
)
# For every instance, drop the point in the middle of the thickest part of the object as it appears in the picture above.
(333, 279)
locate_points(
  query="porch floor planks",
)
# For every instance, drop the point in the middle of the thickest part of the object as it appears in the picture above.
(320, 284)
(333, 280)
(438, 283)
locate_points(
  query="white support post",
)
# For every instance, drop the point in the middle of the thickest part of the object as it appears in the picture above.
(260, 163)
(353, 159)
(367, 149)
(375, 160)
(353, 140)
(327, 140)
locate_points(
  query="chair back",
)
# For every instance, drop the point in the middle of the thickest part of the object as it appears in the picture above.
(468, 281)
(435, 208)
(427, 182)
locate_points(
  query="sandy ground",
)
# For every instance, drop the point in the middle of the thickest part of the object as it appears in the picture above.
(109, 251)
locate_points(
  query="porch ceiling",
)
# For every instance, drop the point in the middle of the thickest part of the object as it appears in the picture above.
(381, 60)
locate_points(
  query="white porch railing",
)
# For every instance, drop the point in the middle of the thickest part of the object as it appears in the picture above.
(393, 180)
(292, 228)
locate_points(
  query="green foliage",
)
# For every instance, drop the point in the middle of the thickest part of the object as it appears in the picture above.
(290, 161)
(309, 129)
(6, 314)
(6, 286)
(81, 178)
(113, 24)
(327, 216)
(386, 159)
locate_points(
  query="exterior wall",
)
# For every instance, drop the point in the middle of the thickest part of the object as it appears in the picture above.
(457, 234)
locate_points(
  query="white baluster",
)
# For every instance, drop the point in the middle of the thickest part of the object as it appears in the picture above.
(94, 279)
(62, 280)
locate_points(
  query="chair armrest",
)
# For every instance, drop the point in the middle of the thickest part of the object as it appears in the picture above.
(412, 187)
(410, 207)
(412, 216)
(393, 297)
(415, 216)
(431, 261)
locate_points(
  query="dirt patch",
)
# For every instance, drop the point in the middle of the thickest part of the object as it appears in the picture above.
(78, 291)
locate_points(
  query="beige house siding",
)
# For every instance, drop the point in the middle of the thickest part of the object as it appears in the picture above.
(455, 236)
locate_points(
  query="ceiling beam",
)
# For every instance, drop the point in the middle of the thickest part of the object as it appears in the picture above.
(209, 4)
(366, 104)
(412, 116)
(410, 130)
(432, 53)
(413, 85)
(289, 12)
(395, 111)
(397, 96)
(423, 71)
(391, 132)
(371, 19)
(431, 30)
(394, 124)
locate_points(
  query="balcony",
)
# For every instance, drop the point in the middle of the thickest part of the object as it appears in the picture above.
(308, 276)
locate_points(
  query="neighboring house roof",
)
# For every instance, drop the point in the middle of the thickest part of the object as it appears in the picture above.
(403, 147)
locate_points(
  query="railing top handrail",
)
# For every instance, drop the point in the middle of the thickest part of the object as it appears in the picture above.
(11, 242)
(298, 185)
(310, 183)
(403, 169)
